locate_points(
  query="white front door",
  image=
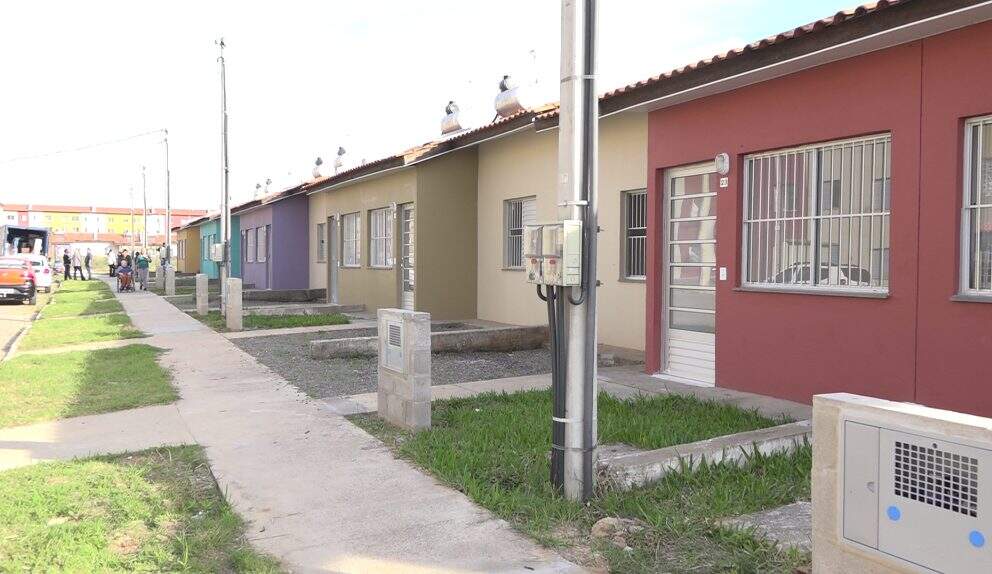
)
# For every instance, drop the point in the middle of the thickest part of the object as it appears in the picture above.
(407, 252)
(333, 257)
(689, 295)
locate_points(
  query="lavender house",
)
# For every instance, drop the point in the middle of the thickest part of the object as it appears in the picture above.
(274, 241)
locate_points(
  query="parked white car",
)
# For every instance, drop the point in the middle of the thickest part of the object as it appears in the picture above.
(43, 272)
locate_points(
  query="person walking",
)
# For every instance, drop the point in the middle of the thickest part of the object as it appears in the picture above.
(86, 263)
(66, 262)
(141, 264)
(112, 261)
(77, 265)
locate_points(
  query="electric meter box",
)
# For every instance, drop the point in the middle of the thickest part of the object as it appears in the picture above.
(552, 253)
(533, 252)
(217, 252)
(925, 501)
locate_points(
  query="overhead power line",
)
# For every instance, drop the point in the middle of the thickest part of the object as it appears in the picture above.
(81, 148)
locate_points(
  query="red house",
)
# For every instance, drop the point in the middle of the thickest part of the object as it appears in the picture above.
(820, 209)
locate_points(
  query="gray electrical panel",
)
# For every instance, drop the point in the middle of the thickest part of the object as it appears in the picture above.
(916, 498)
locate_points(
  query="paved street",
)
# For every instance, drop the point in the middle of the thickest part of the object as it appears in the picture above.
(13, 318)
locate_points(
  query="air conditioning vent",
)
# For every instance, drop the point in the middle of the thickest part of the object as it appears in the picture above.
(936, 477)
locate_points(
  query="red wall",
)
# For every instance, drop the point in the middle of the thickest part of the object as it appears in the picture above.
(798, 345)
(954, 366)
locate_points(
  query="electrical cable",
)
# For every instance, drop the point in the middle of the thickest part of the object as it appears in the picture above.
(81, 148)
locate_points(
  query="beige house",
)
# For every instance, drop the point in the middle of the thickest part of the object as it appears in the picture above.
(439, 228)
(398, 233)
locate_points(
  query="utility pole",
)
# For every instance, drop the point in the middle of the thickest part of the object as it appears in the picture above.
(578, 134)
(144, 220)
(130, 195)
(168, 204)
(225, 210)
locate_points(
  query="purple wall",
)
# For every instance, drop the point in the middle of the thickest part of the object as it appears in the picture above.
(287, 266)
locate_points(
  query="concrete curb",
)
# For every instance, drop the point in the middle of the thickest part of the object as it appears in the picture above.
(485, 339)
(12, 348)
(627, 471)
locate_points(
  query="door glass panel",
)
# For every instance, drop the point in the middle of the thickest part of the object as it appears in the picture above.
(689, 321)
(694, 207)
(693, 298)
(693, 253)
(688, 230)
(692, 185)
(696, 276)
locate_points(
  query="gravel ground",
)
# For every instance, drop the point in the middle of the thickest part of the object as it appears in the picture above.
(322, 378)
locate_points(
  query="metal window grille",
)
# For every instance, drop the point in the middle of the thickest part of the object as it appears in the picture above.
(635, 227)
(936, 477)
(976, 221)
(381, 243)
(262, 244)
(351, 240)
(817, 217)
(321, 242)
(516, 214)
(248, 246)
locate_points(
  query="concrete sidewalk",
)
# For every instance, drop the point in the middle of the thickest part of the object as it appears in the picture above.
(319, 493)
(122, 431)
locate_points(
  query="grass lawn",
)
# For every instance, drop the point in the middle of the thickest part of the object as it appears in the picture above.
(71, 301)
(47, 333)
(494, 448)
(217, 322)
(45, 387)
(153, 511)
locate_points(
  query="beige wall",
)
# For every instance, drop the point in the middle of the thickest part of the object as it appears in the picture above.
(373, 288)
(446, 235)
(524, 165)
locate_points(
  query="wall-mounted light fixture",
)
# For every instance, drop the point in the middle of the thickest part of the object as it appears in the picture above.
(722, 162)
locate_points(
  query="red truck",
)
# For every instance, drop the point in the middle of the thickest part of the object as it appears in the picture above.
(17, 281)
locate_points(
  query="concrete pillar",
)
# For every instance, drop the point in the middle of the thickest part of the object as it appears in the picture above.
(170, 281)
(405, 368)
(160, 278)
(202, 297)
(235, 313)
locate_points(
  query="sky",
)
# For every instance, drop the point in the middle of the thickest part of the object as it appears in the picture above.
(303, 78)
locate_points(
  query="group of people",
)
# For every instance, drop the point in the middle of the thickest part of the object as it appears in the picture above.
(124, 264)
(80, 265)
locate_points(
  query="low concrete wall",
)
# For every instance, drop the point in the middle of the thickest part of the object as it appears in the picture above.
(287, 295)
(308, 309)
(628, 471)
(486, 339)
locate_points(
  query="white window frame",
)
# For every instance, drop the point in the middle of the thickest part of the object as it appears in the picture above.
(822, 212)
(513, 236)
(968, 234)
(381, 223)
(262, 244)
(636, 244)
(351, 244)
(321, 243)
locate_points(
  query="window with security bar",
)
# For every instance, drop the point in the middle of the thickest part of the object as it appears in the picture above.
(516, 214)
(817, 217)
(351, 240)
(381, 237)
(976, 219)
(262, 244)
(635, 228)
